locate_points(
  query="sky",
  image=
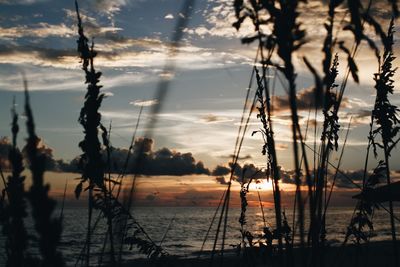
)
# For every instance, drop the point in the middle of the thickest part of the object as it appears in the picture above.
(201, 113)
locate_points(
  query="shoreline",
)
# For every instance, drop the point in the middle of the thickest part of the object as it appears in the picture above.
(378, 253)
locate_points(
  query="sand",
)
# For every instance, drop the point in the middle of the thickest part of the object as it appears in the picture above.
(373, 254)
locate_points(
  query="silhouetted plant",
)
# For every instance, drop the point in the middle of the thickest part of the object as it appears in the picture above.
(264, 114)
(384, 113)
(93, 166)
(49, 229)
(244, 189)
(91, 162)
(331, 126)
(361, 225)
(385, 116)
(286, 38)
(14, 211)
(286, 231)
(329, 143)
(283, 38)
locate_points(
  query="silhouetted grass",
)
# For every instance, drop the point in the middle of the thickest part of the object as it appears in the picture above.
(93, 168)
(268, 149)
(91, 161)
(286, 37)
(14, 211)
(386, 117)
(48, 228)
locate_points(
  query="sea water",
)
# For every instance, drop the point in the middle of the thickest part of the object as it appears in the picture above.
(181, 230)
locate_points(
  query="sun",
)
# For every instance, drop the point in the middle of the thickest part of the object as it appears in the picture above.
(261, 184)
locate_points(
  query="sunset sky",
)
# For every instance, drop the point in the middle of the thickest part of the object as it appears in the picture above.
(202, 111)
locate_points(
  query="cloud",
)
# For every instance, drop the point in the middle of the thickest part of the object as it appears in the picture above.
(38, 56)
(287, 176)
(189, 57)
(114, 50)
(21, 2)
(221, 170)
(108, 37)
(247, 171)
(211, 118)
(360, 117)
(46, 152)
(153, 162)
(43, 149)
(343, 179)
(91, 26)
(40, 30)
(152, 196)
(281, 146)
(108, 7)
(48, 79)
(169, 16)
(221, 180)
(306, 99)
(108, 94)
(239, 158)
(220, 15)
(144, 103)
(195, 197)
(219, 18)
(43, 30)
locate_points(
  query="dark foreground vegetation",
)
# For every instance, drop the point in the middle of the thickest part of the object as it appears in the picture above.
(279, 34)
(375, 254)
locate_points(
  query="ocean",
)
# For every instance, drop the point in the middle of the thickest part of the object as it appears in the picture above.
(187, 227)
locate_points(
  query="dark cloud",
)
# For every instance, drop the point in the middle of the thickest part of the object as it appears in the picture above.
(362, 116)
(239, 158)
(146, 144)
(362, 113)
(45, 53)
(43, 149)
(160, 162)
(46, 152)
(194, 197)
(344, 179)
(287, 117)
(221, 170)
(247, 171)
(221, 180)
(211, 118)
(151, 196)
(287, 176)
(306, 99)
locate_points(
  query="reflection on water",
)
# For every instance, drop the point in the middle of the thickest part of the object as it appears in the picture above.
(189, 226)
